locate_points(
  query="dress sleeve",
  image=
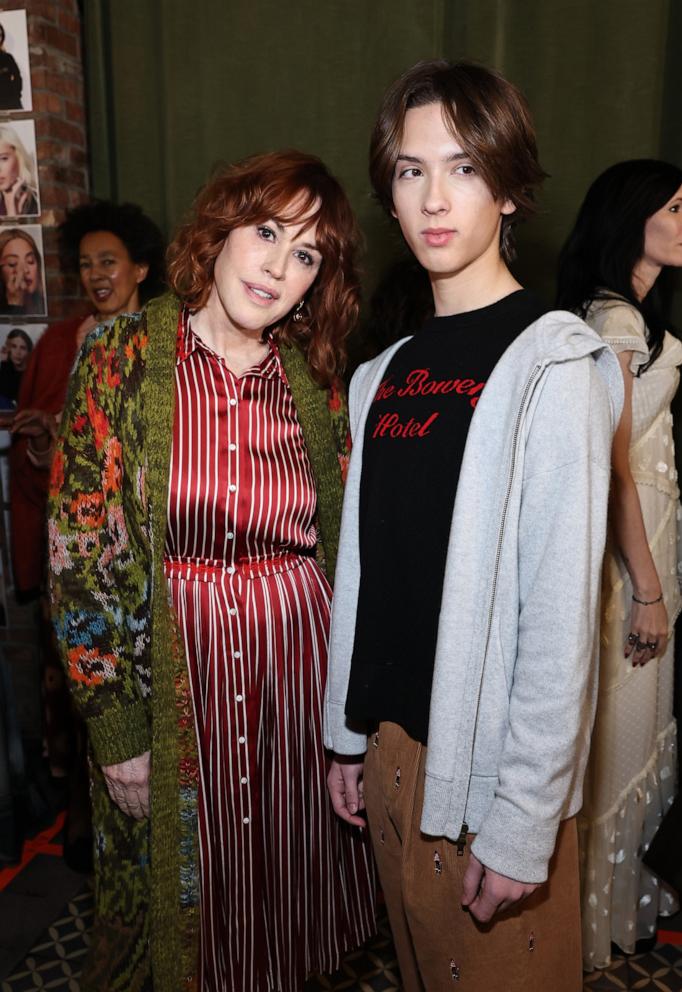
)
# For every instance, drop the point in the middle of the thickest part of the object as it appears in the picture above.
(99, 559)
(623, 328)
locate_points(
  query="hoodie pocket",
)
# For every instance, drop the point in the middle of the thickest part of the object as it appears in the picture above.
(493, 711)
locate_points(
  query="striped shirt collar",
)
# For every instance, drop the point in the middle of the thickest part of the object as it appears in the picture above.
(188, 342)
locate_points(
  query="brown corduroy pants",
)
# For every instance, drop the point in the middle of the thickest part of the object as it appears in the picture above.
(533, 947)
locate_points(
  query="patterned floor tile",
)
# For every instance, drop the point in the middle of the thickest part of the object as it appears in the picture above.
(666, 954)
(372, 969)
(55, 963)
(660, 969)
(614, 977)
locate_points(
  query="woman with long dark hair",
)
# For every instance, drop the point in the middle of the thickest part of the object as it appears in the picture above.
(15, 353)
(195, 505)
(11, 83)
(628, 231)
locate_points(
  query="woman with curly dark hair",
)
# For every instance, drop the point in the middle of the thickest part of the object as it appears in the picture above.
(195, 504)
(119, 253)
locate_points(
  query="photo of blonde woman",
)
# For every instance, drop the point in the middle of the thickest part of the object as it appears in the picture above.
(18, 172)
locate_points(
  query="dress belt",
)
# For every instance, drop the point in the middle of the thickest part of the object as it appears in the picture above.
(249, 568)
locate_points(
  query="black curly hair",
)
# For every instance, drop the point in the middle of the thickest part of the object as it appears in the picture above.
(140, 235)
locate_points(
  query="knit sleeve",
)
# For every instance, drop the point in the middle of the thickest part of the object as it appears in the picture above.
(623, 328)
(338, 410)
(99, 558)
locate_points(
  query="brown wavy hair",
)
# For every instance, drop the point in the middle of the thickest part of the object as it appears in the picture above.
(490, 118)
(262, 188)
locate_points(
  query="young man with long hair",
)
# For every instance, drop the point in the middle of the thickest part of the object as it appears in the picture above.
(473, 531)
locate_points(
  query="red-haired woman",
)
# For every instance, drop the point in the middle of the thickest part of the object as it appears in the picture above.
(195, 506)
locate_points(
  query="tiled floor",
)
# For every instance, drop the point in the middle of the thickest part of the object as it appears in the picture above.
(55, 963)
(660, 970)
(55, 957)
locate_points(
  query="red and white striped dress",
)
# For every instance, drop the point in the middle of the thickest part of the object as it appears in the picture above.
(286, 888)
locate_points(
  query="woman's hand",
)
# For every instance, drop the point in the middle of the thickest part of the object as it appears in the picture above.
(128, 785)
(40, 428)
(15, 198)
(84, 328)
(648, 635)
(15, 284)
(39, 425)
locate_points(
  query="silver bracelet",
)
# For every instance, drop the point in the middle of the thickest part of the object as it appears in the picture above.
(647, 602)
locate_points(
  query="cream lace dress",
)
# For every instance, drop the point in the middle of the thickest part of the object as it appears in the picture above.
(631, 774)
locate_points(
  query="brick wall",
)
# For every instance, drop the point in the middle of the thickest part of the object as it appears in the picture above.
(54, 35)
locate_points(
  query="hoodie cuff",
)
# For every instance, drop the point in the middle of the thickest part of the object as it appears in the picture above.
(514, 845)
(339, 736)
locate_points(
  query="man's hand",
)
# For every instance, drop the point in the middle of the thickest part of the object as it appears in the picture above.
(485, 892)
(344, 782)
(128, 785)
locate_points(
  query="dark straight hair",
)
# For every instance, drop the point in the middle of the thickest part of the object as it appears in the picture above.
(607, 241)
(487, 114)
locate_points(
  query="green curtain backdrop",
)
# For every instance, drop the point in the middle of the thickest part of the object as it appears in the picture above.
(176, 87)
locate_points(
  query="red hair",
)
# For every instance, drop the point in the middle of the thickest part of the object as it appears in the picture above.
(262, 188)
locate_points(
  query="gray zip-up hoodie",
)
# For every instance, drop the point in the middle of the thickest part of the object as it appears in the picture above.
(514, 682)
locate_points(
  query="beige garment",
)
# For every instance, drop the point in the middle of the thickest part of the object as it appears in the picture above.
(630, 779)
(533, 947)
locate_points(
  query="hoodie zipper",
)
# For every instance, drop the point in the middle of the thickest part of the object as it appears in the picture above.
(461, 840)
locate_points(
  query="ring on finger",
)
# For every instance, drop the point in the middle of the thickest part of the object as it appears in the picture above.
(641, 646)
(652, 645)
(633, 638)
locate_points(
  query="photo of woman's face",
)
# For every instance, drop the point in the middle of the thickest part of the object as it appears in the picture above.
(17, 352)
(19, 265)
(9, 166)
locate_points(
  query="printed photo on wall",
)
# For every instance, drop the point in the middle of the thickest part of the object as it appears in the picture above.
(16, 344)
(15, 71)
(19, 195)
(22, 274)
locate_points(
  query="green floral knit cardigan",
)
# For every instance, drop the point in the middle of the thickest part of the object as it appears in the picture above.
(118, 635)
